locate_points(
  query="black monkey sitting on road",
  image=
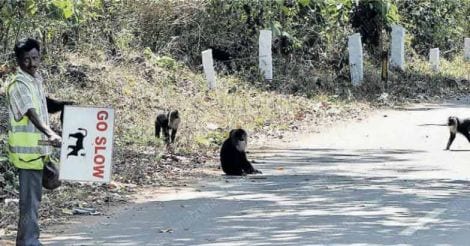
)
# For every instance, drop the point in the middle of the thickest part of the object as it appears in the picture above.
(54, 106)
(165, 122)
(457, 125)
(233, 156)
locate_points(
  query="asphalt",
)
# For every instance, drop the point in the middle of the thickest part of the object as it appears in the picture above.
(384, 180)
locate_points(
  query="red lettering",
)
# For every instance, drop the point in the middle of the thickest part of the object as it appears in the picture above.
(98, 148)
(101, 126)
(100, 141)
(102, 115)
(99, 160)
(98, 170)
(100, 145)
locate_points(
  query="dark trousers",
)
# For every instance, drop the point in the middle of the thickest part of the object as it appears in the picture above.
(30, 198)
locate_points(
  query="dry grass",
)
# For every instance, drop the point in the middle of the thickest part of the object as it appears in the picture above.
(139, 85)
(138, 91)
(138, 88)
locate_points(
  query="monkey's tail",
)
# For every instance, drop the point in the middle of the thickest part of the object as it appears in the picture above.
(433, 125)
(83, 129)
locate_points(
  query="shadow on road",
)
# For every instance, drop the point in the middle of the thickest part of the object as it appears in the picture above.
(462, 102)
(299, 202)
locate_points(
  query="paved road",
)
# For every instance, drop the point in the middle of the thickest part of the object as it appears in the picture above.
(383, 181)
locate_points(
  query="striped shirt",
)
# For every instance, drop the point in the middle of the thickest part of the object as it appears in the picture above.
(21, 98)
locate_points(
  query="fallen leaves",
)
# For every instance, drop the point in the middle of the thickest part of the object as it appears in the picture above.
(167, 230)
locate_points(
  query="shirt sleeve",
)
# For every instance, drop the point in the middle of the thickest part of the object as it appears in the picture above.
(20, 100)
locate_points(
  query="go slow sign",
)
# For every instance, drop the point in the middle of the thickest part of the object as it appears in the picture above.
(87, 144)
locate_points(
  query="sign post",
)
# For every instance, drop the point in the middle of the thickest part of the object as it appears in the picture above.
(467, 49)
(208, 65)
(434, 59)
(397, 58)
(87, 144)
(265, 56)
(356, 59)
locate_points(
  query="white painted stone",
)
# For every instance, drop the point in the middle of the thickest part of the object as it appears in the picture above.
(209, 71)
(355, 59)
(467, 49)
(265, 56)
(397, 58)
(434, 59)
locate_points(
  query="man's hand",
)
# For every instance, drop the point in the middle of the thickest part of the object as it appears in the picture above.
(52, 137)
(55, 139)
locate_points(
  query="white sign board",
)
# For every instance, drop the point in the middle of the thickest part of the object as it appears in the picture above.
(87, 144)
(355, 59)
(265, 56)
(208, 65)
(397, 58)
(434, 59)
(467, 49)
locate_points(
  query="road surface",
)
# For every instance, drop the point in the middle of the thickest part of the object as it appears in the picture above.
(385, 180)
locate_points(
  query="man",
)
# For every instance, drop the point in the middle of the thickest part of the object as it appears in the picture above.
(29, 123)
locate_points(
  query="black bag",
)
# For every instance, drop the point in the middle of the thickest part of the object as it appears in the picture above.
(50, 175)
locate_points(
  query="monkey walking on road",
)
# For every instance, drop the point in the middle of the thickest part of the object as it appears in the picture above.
(233, 156)
(167, 122)
(457, 125)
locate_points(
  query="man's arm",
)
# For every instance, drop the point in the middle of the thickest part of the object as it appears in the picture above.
(21, 103)
(34, 117)
(54, 106)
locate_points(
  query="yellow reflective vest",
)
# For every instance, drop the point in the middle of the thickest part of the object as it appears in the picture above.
(23, 149)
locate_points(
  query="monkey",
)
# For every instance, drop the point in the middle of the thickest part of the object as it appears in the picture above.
(165, 122)
(283, 44)
(457, 125)
(233, 156)
(223, 56)
(54, 106)
(79, 136)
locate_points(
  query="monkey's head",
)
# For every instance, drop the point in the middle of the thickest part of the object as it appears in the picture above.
(174, 114)
(174, 119)
(239, 139)
(452, 121)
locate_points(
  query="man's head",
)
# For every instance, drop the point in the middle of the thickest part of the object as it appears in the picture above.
(27, 52)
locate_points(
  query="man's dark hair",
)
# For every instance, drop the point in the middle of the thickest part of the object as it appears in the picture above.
(25, 45)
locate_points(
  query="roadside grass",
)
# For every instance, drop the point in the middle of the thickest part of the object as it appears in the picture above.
(139, 85)
(138, 91)
(418, 83)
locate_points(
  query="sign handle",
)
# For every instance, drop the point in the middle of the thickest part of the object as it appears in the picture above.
(47, 142)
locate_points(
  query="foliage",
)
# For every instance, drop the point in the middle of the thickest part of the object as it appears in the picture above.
(108, 40)
(57, 23)
(308, 36)
(371, 17)
(306, 31)
(433, 24)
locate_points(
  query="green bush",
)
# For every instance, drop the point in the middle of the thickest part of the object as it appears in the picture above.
(436, 24)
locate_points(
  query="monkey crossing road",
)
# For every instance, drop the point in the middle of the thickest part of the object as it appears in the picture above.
(378, 181)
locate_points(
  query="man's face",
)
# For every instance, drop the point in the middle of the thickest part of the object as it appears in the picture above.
(30, 61)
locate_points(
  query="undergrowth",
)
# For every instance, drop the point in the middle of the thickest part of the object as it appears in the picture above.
(139, 85)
